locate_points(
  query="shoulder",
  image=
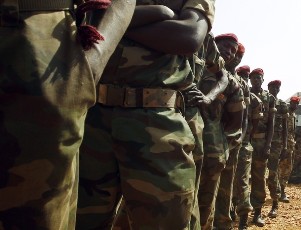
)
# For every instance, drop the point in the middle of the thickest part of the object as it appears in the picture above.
(255, 99)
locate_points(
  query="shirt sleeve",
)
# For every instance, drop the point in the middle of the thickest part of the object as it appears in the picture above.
(207, 7)
(272, 104)
(214, 60)
(256, 107)
(235, 101)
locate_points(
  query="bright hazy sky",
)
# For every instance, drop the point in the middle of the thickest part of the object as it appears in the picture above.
(270, 30)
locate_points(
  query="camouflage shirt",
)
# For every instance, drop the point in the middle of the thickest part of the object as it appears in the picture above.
(135, 65)
(245, 88)
(291, 126)
(281, 113)
(268, 105)
(208, 58)
(231, 100)
(255, 111)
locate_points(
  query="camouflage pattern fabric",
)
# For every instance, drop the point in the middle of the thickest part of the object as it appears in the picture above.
(222, 218)
(286, 164)
(241, 188)
(145, 153)
(214, 140)
(47, 84)
(152, 165)
(196, 125)
(216, 150)
(259, 162)
(46, 87)
(258, 170)
(296, 173)
(205, 56)
(276, 147)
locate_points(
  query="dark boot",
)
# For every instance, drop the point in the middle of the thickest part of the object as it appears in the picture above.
(284, 198)
(257, 219)
(243, 222)
(273, 212)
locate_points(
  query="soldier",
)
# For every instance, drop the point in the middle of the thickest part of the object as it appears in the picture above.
(215, 144)
(286, 162)
(47, 84)
(244, 72)
(278, 146)
(136, 138)
(222, 218)
(207, 57)
(296, 173)
(241, 189)
(261, 141)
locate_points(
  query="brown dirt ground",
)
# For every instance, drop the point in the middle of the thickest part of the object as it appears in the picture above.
(289, 214)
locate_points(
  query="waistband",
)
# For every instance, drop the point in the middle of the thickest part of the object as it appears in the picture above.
(41, 5)
(9, 9)
(112, 95)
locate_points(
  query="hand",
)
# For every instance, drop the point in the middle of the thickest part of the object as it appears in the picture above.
(283, 154)
(195, 97)
(266, 152)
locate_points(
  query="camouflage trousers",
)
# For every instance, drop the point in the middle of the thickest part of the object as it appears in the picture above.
(241, 185)
(273, 164)
(222, 218)
(46, 87)
(296, 172)
(258, 170)
(286, 165)
(196, 125)
(143, 154)
(215, 157)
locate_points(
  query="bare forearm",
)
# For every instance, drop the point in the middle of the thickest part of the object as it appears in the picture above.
(244, 123)
(270, 129)
(284, 133)
(112, 25)
(147, 14)
(183, 36)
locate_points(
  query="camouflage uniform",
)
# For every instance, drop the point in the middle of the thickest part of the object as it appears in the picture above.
(143, 149)
(46, 87)
(196, 124)
(222, 218)
(216, 151)
(241, 190)
(286, 164)
(296, 173)
(276, 147)
(259, 162)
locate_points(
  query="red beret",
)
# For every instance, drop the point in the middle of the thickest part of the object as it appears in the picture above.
(241, 48)
(275, 82)
(257, 71)
(295, 99)
(227, 36)
(244, 68)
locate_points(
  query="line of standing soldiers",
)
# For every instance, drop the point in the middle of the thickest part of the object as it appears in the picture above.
(246, 131)
(159, 129)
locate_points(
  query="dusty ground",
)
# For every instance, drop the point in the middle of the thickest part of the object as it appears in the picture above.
(289, 214)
